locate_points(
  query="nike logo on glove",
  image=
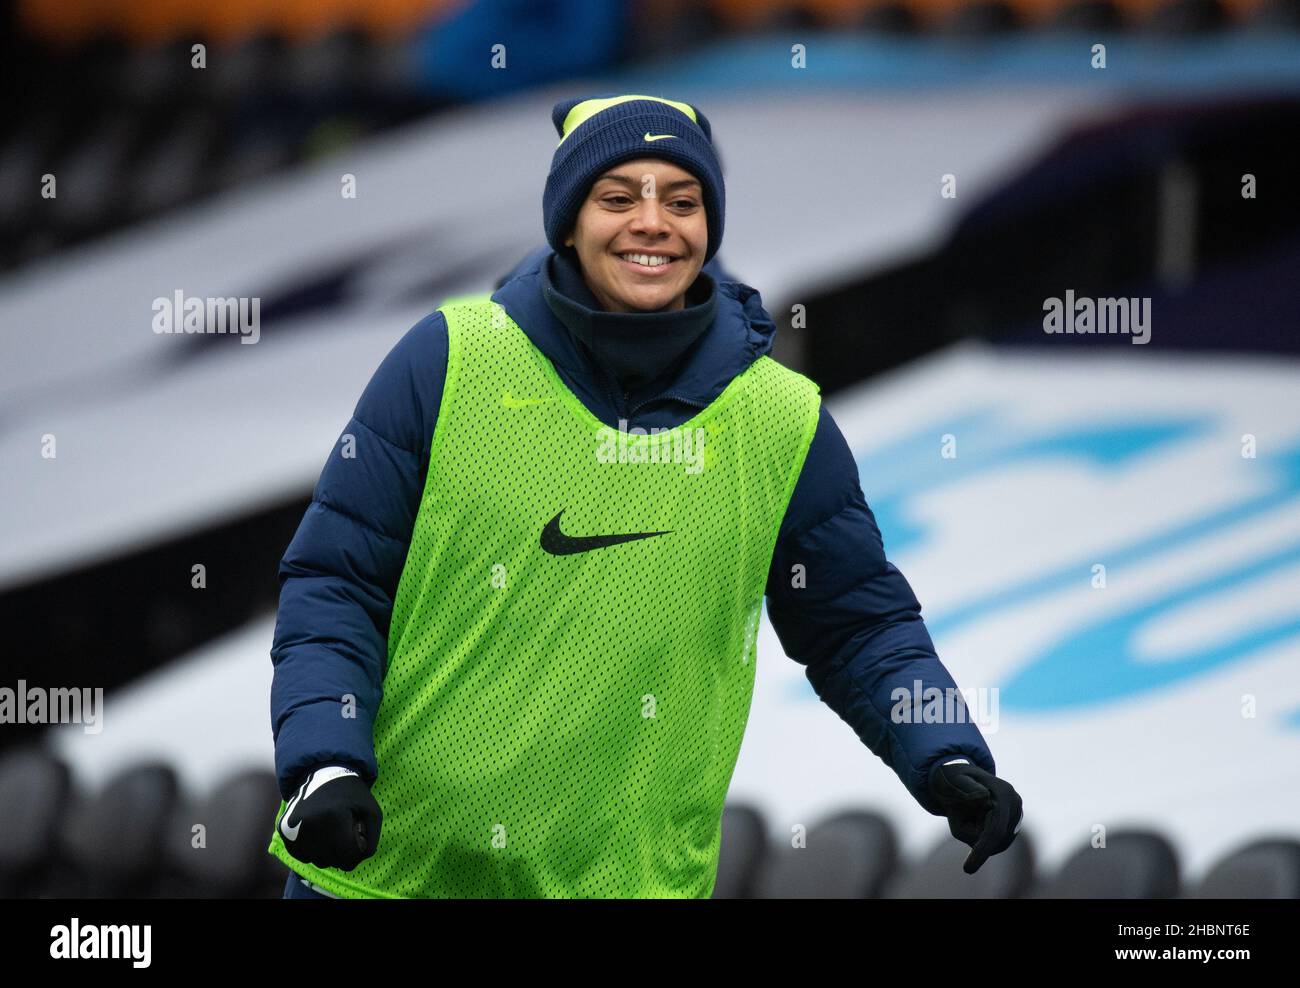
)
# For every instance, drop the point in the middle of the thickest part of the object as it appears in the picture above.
(557, 543)
(286, 831)
(314, 782)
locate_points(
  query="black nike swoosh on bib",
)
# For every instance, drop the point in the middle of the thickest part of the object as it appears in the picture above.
(558, 544)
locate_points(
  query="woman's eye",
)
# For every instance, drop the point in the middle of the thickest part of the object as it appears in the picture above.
(619, 200)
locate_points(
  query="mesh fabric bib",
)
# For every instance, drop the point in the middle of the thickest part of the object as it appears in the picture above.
(571, 652)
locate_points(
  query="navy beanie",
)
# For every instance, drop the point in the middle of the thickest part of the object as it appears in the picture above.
(599, 132)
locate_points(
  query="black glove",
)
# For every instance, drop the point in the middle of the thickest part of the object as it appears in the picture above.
(983, 810)
(332, 821)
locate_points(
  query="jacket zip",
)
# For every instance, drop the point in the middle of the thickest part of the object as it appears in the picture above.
(621, 405)
(682, 398)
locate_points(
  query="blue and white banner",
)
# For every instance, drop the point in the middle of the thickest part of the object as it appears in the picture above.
(1112, 544)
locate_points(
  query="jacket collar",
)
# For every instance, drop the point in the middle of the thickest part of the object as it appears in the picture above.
(636, 349)
(741, 332)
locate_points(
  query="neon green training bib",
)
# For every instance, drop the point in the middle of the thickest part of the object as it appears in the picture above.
(572, 647)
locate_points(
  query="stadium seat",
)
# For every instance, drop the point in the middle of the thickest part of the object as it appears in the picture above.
(1134, 864)
(92, 73)
(92, 176)
(328, 68)
(170, 171)
(848, 856)
(939, 874)
(34, 790)
(1276, 15)
(1083, 15)
(109, 843)
(1263, 869)
(1187, 17)
(758, 16)
(743, 840)
(889, 17)
(254, 154)
(982, 17)
(254, 70)
(232, 861)
(164, 73)
(67, 876)
(22, 162)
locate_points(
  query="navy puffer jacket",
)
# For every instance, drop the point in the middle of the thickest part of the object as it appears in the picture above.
(855, 626)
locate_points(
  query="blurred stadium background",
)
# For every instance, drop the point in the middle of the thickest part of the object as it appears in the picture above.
(1164, 706)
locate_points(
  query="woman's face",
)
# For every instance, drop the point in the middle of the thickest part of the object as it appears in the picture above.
(646, 206)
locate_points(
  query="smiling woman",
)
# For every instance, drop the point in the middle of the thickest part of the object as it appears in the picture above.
(520, 543)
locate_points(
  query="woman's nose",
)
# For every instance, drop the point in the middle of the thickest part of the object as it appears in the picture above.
(648, 215)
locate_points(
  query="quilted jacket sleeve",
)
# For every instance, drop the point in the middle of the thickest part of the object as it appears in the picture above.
(340, 572)
(851, 618)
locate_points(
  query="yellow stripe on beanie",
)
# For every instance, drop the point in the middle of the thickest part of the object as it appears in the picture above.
(589, 108)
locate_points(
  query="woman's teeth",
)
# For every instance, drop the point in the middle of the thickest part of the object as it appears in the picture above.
(650, 260)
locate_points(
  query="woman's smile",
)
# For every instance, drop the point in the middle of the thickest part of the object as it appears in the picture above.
(656, 269)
